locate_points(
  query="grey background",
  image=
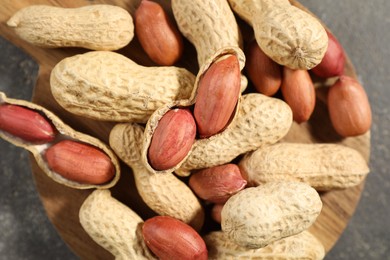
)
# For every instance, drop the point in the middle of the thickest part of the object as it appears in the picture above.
(362, 27)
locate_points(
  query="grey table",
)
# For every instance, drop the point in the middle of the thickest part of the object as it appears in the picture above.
(363, 29)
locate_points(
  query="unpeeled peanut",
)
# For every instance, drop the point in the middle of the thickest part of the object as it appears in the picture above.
(217, 95)
(108, 86)
(114, 226)
(172, 139)
(257, 216)
(26, 124)
(288, 35)
(157, 34)
(80, 162)
(164, 193)
(322, 166)
(95, 27)
(217, 184)
(334, 60)
(300, 246)
(169, 238)
(349, 107)
(299, 93)
(265, 74)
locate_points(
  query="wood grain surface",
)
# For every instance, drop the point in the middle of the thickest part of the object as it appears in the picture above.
(62, 203)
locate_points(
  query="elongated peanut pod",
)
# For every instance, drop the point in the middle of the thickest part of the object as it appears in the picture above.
(95, 27)
(208, 25)
(301, 246)
(164, 193)
(260, 121)
(257, 216)
(91, 176)
(322, 166)
(108, 86)
(290, 36)
(113, 226)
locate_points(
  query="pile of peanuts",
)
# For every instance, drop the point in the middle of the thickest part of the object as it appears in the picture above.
(194, 140)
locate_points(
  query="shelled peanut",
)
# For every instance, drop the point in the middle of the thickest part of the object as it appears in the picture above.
(67, 156)
(95, 27)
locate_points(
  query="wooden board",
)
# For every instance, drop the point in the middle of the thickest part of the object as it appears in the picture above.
(62, 203)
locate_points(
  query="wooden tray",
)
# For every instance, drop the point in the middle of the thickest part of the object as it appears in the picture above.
(62, 203)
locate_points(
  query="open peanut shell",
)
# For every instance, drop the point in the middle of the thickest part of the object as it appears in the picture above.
(154, 119)
(64, 132)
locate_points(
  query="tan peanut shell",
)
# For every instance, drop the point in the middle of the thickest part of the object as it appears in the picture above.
(108, 86)
(95, 27)
(159, 113)
(300, 246)
(163, 193)
(208, 25)
(288, 35)
(114, 226)
(322, 166)
(257, 216)
(64, 132)
(260, 121)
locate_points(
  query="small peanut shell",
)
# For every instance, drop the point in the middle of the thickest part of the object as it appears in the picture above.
(257, 216)
(160, 112)
(64, 132)
(290, 36)
(114, 226)
(260, 121)
(163, 193)
(108, 86)
(322, 166)
(300, 246)
(95, 27)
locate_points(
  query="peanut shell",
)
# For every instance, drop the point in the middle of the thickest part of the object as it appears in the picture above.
(108, 86)
(260, 121)
(163, 193)
(322, 166)
(95, 27)
(159, 113)
(64, 132)
(114, 226)
(257, 216)
(301, 246)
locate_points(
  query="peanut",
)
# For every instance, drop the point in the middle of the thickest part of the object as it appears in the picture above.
(265, 74)
(287, 34)
(217, 184)
(113, 226)
(217, 95)
(208, 25)
(322, 166)
(334, 60)
(64, 132)
(26, 124)
(260, 121)
(216, 212)
(300, 246)
(80, 162)
(157, 34)
(172, 139)
(257, 216)
(169, 238)
(349, 107)
(108, 86)
(96, 27)
(164, 193)
(299, 93)
(154, 119)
